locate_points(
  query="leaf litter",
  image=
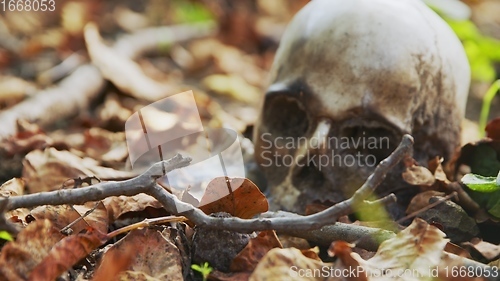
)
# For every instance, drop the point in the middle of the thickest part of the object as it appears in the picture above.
(229, 76)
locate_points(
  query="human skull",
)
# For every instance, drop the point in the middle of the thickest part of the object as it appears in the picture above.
(350, 77)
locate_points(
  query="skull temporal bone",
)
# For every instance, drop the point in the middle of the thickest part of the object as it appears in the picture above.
(360, 68)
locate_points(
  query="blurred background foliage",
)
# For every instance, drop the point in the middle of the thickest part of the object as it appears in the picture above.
(31, 43)
(483, 51)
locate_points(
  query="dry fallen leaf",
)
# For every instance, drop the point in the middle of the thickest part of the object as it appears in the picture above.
(63, 215)
(343, 251)
(13, 187)
(414, 254)
(155, 256)
(32, 245)
(99, 143)
(488, 250)
(28, 137)
(493, 129)
(421, 200)
(418, 175)
(65, 254)
(114, 263)
(49, 169)
(119, 205)
(287, 264)
(237, 196)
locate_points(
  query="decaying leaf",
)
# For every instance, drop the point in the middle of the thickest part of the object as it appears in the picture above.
(421, 200)
(418, 175)
(13, 187)
(119, 205)
(49, 169)
(28, 137)
(412, 255)
(33, 244)
(114, 263)
(436, 167)
(343, 251)
(486, 249)
(284, 264)
(65, 254)
(103, 145)
(237, 196)
(154, 256)
(63, 215)
(493, 129)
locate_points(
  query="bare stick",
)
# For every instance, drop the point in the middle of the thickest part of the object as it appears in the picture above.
(301, 226)
(146, 183)
(430, 206)
(100, 191)
(315, 221)
(67, 229)
(145, 223)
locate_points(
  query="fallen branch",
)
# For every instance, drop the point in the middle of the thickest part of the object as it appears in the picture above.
(314, 221)
(321, 227)
(72, 95)
(146, 183)
(75, 92)
(100, 191)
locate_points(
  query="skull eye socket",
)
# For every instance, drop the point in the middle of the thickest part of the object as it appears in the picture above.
(369, 141)
(285, 117)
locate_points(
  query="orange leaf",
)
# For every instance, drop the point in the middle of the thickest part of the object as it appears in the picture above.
(239, 197)
(343, 250)
(19, 257)
(155, 256)
(63, 215)
(493, 129)
(65, 254)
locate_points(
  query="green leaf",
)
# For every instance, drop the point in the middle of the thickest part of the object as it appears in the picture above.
(480, 183)
(493, 205)
(485, 191)
(5, 235)
(485, 161)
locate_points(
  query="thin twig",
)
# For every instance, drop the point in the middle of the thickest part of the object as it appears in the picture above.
(448, 197)
(321, 226)
(145, 223)
(314, 221)
(66, 230)
(146, 183)
(100, 191)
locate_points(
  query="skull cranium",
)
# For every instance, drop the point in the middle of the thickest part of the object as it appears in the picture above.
(351, 77)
